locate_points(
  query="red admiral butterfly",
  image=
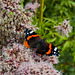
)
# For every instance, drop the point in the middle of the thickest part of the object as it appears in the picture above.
(33, 40)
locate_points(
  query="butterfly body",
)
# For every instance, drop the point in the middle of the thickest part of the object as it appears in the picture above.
(33, 40)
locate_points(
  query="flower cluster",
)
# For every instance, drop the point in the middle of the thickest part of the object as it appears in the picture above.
(50, 59)
(41, 68)
(15, 59)
(13, 20)
(31, 6)
(12, 57)
(13, 17)
(21, 61)
(64, 28)
(38, 65)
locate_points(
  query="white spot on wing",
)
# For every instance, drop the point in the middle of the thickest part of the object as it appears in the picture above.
(27, 33)
(31, 32)
(54, 52)
(55, 49)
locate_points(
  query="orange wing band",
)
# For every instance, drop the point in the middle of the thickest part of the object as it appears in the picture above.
(26, 44)
(50, 47)
(39, 54)
(29, 37)
(32, 36)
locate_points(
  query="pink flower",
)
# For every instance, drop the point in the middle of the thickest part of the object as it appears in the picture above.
(31, 6)
(28, 5)
(0, 58)
(64, 28)
(33, 67)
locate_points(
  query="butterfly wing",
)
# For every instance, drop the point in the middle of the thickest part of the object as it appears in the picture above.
(32, 40)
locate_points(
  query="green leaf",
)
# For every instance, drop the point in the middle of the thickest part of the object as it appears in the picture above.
(11, 13)
(50, 20)
(44, 8)
(0, 28)
(66, 45)
(47, 28)
(72, 73)
(71, 69)
(73, 3)
(4, 10)
(74, 56)
(63, 38)
(51, 40)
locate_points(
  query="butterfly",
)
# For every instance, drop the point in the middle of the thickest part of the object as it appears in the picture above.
(33, 40)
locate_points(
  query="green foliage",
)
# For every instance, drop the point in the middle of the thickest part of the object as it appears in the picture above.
(55, 11)
(59, 9)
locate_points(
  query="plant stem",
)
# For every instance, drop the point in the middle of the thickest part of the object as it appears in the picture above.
(41, 10)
